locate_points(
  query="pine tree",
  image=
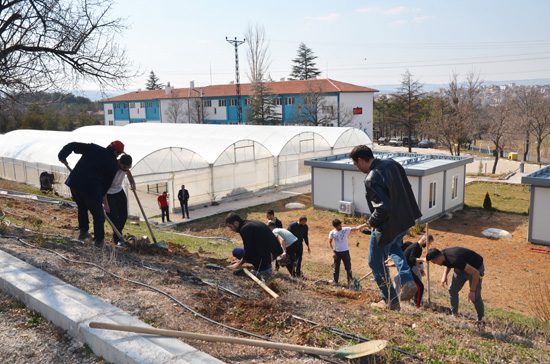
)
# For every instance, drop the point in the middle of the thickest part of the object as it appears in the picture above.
(153, 82)
(487, 204)
(262, 106)
(304, 65)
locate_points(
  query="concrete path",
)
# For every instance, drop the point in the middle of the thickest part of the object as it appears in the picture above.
(72, 309)
(259, 198)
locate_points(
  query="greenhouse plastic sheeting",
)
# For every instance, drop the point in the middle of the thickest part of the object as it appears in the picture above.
(213, 161)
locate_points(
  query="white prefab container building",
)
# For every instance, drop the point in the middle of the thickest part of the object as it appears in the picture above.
(214, 162)
(539, 208)
(436, 180)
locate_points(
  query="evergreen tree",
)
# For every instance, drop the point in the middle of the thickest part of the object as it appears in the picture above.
(304, 65)
(261, 110)
(153, 83)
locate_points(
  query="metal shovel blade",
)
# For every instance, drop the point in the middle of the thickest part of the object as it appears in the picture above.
(360, 350)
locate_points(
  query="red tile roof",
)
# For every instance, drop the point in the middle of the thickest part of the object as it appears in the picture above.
(278, 88)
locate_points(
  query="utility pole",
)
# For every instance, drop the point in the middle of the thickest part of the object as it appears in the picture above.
(236, 43)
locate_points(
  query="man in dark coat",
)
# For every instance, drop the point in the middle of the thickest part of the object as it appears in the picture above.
(89, 181)
(261, 247)
(393, 211)
(183, 197)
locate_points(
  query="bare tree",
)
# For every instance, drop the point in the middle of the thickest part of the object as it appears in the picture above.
(47, 44)
(262, 103)
(441, 123)
(257, 53)
(499, 127)
(540, 126)
(526, 98)
(464, 109)
(409, 95)
(176, 111)
(317, 110)
(195, 113)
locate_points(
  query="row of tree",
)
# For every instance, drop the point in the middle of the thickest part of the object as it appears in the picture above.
(459, 115)
(48, 111)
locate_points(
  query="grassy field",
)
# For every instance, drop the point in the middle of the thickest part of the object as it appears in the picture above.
(504, 197)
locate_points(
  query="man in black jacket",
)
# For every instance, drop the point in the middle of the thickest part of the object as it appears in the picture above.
(183, 197)
(89, 181)
(300, 230)
(261, 247)
(393, 211)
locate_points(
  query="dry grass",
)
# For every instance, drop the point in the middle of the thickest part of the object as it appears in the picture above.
(540, 303)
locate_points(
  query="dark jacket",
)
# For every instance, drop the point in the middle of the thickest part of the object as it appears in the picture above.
(300, 231)
(183, 195)
(260, 244)
(95, 170)
(390, 199)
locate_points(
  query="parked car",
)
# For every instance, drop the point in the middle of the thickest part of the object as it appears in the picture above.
(414, 141)
(426, 143)
(396, 142)
(383, 140)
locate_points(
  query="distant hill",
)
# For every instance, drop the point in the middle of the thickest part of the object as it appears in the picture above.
(96, 95)
(428, 87)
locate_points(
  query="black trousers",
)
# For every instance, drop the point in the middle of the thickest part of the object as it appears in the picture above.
(165, 211)
(94, 204)
(419, 290)
(291, 252)
(299, 254)
(184, 208)
(118, 206)
(345, 257)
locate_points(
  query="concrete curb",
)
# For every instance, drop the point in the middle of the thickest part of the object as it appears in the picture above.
(72, 309)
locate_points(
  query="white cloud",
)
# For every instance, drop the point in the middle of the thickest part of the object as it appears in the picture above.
(326, 18)
(396, 10)
(422, 19)
(399, 22)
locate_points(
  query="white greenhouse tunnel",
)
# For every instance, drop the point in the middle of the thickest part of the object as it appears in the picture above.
(214, 162)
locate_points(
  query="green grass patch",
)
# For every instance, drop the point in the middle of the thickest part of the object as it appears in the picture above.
(504, 197)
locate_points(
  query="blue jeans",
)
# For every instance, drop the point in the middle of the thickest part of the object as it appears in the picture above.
(377, 257)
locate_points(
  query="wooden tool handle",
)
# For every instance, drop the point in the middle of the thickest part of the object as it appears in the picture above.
(145, 217)
(262, 284)
(213, 338)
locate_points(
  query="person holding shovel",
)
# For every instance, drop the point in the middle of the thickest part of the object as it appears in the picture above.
(89, 181)
(115, 202)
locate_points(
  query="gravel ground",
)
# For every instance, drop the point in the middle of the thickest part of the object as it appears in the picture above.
(25, 337)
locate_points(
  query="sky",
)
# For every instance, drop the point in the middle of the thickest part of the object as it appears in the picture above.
(361, 42)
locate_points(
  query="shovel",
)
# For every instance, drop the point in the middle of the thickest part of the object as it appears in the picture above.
(145, 217)
(349, 352)
(117, 233)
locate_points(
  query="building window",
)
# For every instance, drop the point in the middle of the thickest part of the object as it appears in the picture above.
(110, 112)
(289, 101)
(207, 103)
(299, 109)
(125, 105)
(117, 106)
(454, 188)
(431, 202)
(215, 110)
(232, 102)
(149, 104)
(278, 101)
(249, 102)
(328, 110)
(110, 122)
(221, 102)
(142, 105)
(132, 105)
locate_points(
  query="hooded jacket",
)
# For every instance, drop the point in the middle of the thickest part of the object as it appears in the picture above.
(390, 199)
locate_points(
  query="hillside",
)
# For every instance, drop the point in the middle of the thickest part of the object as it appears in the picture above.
(513, 332)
